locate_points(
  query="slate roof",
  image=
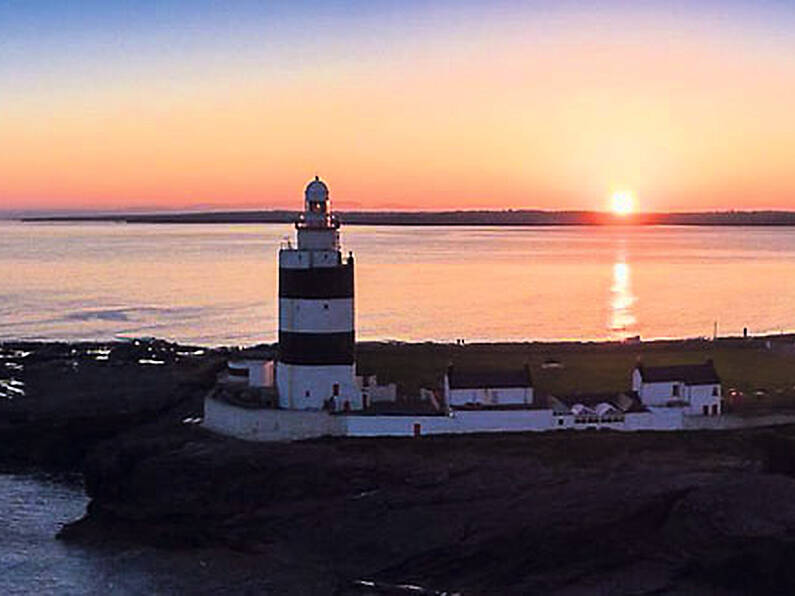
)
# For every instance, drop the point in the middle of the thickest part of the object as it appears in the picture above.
(689, 374)
(490, 379)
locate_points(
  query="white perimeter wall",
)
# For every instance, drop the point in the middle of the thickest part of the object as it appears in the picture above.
(267, 425)
(664, 419)
(287, 425)
(459, 422)
(726, 422)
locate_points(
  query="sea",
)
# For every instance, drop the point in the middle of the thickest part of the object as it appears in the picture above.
(34, 508)
(216, 284)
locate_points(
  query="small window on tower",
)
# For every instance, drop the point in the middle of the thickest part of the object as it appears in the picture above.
(335, 389)
(307, 393)
(325, 306)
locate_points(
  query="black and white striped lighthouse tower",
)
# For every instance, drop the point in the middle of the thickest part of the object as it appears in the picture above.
(315, 367)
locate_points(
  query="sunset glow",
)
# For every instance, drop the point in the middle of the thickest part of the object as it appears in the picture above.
(622, 202)
(180, 105)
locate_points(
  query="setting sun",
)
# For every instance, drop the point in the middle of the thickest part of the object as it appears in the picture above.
(622, 202)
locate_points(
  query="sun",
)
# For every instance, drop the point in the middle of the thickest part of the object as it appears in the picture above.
(622, 202)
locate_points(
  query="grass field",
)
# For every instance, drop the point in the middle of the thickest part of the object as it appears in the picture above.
(764, 365)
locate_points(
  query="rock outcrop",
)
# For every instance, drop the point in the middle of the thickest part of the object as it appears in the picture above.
(77, 395)
(558, 513)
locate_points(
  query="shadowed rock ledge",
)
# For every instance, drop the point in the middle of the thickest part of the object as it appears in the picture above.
(558, 513)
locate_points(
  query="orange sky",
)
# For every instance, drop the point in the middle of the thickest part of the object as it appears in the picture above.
(506, 110)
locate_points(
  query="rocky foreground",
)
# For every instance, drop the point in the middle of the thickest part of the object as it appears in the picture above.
(569, 513)
(557, 513)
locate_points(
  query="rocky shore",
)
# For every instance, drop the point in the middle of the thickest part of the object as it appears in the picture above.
(558, 513)
(564, 513)
(67, 397)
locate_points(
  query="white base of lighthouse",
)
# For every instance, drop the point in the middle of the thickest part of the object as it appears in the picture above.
(310, 387)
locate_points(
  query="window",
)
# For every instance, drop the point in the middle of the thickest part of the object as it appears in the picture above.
(325, 306)
(335, 389)
(715, 409)
(307, 393)
(715, 391)
(675, 390)
(560, 421)
(705, 409)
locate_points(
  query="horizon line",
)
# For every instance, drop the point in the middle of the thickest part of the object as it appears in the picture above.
(135, 212)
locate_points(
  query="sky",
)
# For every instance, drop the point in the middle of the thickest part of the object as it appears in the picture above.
(196, 104)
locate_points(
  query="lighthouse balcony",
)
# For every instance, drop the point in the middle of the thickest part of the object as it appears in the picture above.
(317, 222)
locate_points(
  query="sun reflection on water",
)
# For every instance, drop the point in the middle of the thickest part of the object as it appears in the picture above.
(622, 319)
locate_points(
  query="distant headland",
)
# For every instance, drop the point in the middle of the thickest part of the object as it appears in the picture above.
(517, 217)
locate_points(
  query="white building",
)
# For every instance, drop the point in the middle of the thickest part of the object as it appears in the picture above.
(315, 366)
(695, 388)
(252, 372)
(472, 388)
(372, 392)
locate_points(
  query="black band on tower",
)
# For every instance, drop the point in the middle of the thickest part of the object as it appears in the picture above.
(317, 282)
(316, 348)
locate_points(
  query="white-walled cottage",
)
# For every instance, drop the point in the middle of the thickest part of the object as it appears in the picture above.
(468, 387)
(694, 387)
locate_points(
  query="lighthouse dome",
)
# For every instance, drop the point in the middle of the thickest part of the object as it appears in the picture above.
(316, 191)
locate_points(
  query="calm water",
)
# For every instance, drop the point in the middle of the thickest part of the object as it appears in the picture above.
(32, 561)
(216, 284)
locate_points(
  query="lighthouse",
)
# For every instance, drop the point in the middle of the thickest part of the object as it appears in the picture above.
(315, 366)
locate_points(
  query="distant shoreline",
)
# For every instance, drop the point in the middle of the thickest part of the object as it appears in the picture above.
(450, 218)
